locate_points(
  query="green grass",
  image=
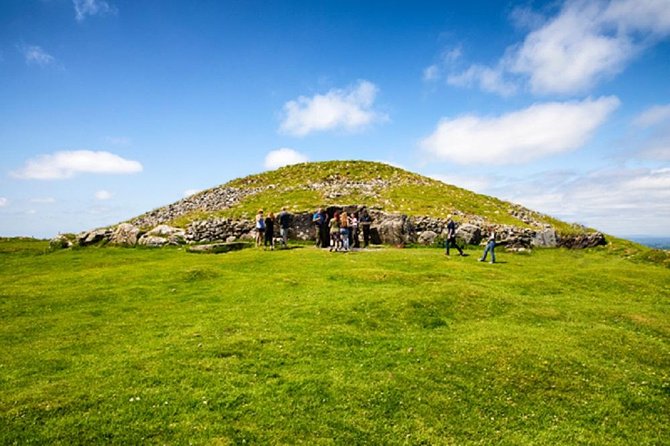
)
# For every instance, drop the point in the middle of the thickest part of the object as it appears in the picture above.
(390, 346)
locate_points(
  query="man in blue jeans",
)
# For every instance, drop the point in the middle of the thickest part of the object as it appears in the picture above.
(490, 246)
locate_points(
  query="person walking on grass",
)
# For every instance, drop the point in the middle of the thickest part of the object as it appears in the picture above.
(284, 223)
(260, 228)
(269, 231)
(451, 236)
(334, 224)
(490, 246)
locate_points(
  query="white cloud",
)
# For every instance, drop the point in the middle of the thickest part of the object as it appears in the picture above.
(103, 195)
(66, 164)
(35, 55)
(651, 16)
(570, 53)
(653, 116)
(617, 201)
(488, 79)
(189, 192)
(283, 157)
(653, 132)
(83, 8)
(431, 73)
(349, 109)
(446, 60)
(521, 136)
(3, 202)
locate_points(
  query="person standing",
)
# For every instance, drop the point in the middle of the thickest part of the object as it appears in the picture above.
(353, 231)
(318, 222)
(334, 224)
(260, 228)
(365, 221)
(490, 246)
(344, 231)
(324, 233)
(270, 231)
(284, 224)
(451, 236)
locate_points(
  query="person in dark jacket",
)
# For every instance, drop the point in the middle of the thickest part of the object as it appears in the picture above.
(319, 223)
(284, 224)
(324, 229)
(270, 231)
(451, 236)
(364, 222)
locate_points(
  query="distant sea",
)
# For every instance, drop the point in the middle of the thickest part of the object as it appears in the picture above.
(652, 242)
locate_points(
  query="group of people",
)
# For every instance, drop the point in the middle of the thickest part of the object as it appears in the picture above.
(265, 228)
(451, 242)
(341, 232)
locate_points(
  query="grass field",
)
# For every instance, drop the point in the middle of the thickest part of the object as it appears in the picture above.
(388, 347)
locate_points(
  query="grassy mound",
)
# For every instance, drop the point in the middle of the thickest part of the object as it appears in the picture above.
(304, 187)
(118, 346)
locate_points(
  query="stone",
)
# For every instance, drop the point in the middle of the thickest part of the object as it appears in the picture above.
(153, 241)
(427, 238)
(216, 248)
(61, 241)
(163, 235)
(165, 231)
(93, 237)
(125, 234)
(469, 234)
(391, 231)
(582, 241)
(545, 238)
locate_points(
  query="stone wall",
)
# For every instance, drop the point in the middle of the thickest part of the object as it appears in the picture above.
(391, 229)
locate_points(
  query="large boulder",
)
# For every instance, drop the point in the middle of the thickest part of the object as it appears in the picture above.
(396, 230)
(545, 239)
(125, 234)
(153, 241)
(470, 234)
(93, 237)
(427, 238)
(163, 235)
(582, 241)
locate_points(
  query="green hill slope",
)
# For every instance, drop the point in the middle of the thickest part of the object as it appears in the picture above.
(307, 186)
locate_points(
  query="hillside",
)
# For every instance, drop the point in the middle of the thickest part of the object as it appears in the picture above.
(307, 186)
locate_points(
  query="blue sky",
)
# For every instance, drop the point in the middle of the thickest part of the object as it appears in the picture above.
(111, 108)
